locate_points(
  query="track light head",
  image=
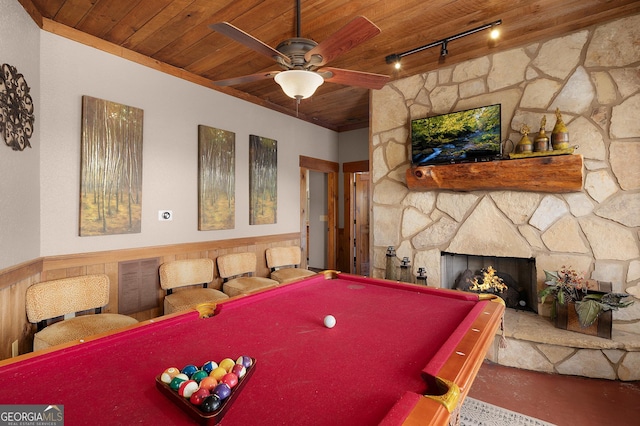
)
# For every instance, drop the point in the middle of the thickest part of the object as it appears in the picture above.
(443, 50)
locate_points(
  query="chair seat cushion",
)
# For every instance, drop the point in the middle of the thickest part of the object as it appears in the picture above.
(188, 298)
(246, 285)
(286, 275)
(79, 328)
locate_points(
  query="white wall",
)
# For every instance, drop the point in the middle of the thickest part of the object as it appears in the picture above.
(173, 109)
(352, 146)
(19, 170)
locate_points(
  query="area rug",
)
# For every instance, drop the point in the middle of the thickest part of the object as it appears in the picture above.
(478, 413)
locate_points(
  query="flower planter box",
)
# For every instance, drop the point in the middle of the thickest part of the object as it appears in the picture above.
(567, 319)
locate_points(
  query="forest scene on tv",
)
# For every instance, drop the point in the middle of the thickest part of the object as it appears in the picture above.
(456, 137)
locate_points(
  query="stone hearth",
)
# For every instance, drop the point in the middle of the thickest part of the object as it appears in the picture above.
(533, 343)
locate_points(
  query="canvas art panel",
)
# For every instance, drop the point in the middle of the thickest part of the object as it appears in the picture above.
(216, 178)
(263, 180)
(111, 168)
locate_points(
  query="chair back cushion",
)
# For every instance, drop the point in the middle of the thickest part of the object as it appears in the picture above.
(180, 273)
(283, 256)
(234, 264)
(50, 299)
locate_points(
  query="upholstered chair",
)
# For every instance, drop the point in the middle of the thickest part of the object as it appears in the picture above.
(237, 271)
(190, 279)
(284, 264)
(61, 298)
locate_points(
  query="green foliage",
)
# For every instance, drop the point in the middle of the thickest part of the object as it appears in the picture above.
(566, 286)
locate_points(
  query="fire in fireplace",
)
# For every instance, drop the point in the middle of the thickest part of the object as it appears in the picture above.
(462, 271)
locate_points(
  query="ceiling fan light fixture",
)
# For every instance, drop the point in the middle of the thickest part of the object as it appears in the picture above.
(299, 84)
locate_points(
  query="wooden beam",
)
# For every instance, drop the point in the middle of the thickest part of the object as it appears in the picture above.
(561, 173)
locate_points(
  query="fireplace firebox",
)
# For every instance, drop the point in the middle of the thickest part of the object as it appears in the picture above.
(519, 274)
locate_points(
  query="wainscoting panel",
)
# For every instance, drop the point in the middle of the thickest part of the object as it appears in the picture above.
(14, 281)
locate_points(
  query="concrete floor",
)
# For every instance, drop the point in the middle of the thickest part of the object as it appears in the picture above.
(559, 399)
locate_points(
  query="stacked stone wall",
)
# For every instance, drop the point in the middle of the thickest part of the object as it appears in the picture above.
(593, 77)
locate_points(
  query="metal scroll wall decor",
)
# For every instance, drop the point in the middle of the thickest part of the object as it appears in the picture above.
(16, 109)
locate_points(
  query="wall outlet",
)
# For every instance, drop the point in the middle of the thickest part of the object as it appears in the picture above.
(15, 350)
(164, 215)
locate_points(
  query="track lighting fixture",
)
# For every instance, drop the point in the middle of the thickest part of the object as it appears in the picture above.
(396, 57)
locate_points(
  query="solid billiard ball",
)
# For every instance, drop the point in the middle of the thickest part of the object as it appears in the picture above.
(227, 364)
(208, 383)
(211, 403)
(329, 321)
(169, 374)
(187, 388)
(209, 366)
(218, 373)
(245, 361)
(199, 375)
(230, 379)
(189, 370)
(199, 396)
(222, 390)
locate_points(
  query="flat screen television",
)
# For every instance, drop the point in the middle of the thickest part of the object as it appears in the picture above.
(456, 137)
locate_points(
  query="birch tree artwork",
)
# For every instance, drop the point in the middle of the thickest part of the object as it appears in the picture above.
(216, 179)
(263, 180)
(111, 168)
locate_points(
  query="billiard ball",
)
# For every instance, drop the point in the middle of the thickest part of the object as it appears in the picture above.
(245, 361)
(169, 374)
(199, 375)
(199, 396)
(189, 370)
(230, 379)
(177, 381)
(218, 373)
(211, 403)
(209, 366)
(222, 390)
(329, 321)
(227, 364)
(187, 388)
(239, 370)
(208, 383)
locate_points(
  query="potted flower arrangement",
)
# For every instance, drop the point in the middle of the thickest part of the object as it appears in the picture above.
(570, 291)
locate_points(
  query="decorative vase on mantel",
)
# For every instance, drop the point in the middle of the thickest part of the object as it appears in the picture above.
(560, 133)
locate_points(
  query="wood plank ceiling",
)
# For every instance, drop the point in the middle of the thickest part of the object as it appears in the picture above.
(177, 33)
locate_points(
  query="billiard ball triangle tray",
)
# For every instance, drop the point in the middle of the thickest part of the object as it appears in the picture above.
(194, 411)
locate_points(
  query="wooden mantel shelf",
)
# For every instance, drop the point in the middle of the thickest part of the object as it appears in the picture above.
(559, 173)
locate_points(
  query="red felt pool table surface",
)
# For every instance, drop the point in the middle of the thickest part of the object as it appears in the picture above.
(390, 341)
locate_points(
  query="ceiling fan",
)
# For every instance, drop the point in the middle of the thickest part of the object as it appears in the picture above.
(302, 60)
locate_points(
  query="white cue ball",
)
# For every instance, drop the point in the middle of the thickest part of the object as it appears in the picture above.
(329, 321)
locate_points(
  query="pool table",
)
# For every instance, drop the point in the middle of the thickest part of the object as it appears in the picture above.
(393, 343)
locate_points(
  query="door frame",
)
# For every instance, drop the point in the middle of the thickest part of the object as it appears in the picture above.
(349, 170)
(331, 169)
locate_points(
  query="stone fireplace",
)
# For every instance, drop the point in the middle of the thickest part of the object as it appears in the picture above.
(594, 230)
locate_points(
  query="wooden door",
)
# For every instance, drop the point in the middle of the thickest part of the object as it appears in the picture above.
(331, 170)
(361, 223)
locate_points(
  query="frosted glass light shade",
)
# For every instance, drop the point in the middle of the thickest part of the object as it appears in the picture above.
(299, 84)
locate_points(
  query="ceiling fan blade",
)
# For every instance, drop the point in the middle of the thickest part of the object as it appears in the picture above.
(359, 30)
(246, 79)
(248, 40)
(354, 78)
